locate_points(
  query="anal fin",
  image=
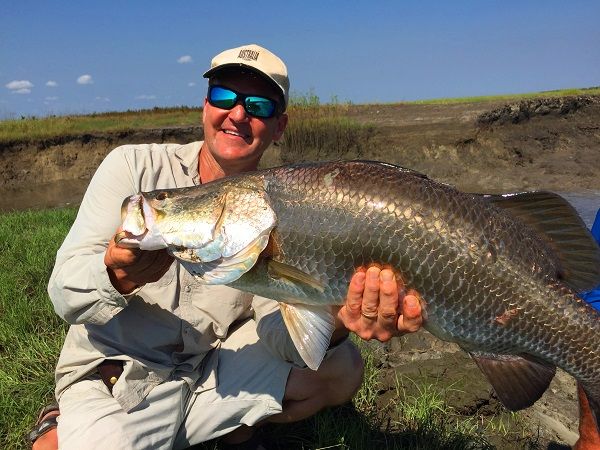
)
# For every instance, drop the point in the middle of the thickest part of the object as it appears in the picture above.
(519, 381)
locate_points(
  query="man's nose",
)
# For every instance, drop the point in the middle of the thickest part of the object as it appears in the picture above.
(238, 113)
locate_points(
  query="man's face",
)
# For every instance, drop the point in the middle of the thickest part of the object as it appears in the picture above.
(233, 135)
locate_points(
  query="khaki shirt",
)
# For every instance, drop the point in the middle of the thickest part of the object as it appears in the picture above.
(166, 329)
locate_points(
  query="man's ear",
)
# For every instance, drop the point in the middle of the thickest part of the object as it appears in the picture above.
(282, 121)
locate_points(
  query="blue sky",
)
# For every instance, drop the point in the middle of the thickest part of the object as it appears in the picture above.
(63, 57)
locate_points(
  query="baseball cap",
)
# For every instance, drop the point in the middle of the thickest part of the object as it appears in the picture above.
(259, 60)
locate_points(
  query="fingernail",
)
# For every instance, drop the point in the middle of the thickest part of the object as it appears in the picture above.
(387, 275)
(373, 273)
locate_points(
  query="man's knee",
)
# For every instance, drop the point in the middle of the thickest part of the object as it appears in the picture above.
(335, 382)
(343, 374)
(338, 378)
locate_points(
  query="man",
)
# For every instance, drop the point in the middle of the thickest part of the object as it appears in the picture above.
(154, 359)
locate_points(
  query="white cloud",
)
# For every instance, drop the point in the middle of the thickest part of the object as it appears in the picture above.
(51, 83)
(102, 99)
(191, 84)
(185, 59)
(85, 79)
(145, 97)
(20, 86)
(52, 98)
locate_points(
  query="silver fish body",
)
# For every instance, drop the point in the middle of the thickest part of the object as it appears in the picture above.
(491, 270)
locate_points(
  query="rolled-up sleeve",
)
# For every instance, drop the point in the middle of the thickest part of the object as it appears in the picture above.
(79, 286)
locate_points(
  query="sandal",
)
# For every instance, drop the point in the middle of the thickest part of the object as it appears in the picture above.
(45, 422)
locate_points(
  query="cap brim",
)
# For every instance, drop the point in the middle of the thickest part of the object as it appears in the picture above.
(214, 70)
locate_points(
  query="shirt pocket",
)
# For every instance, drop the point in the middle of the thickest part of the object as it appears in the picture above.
(168, 277)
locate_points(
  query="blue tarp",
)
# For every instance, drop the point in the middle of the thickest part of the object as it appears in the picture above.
(593, 296)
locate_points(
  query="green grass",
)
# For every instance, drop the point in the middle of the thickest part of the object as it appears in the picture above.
(31, 334)
(512, 97)
(321, 131)
(31, 128)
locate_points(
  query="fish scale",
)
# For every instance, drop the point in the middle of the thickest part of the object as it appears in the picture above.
(489, 280)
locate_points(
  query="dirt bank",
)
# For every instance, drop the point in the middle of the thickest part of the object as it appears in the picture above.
(485, 147)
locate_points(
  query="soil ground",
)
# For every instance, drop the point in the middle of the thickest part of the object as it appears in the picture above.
(481, 147)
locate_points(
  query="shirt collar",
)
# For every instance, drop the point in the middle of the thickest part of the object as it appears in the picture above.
(188, 157)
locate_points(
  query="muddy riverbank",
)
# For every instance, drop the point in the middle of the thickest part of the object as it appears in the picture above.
(483, 146)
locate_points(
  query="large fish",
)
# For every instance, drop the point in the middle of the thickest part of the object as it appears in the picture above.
(499, 275)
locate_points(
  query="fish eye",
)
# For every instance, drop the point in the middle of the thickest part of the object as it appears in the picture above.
(162, 196)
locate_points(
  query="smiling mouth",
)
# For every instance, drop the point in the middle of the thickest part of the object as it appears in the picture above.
(235, 133)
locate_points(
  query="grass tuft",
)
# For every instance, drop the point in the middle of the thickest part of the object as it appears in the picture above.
(322, 131)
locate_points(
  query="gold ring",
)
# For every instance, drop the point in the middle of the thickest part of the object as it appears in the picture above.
(369, 316)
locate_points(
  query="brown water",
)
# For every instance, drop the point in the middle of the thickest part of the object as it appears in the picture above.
(45, 195)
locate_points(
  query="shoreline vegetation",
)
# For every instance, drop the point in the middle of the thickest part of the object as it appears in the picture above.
(31, 128)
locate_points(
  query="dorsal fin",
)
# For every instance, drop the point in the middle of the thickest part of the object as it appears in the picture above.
(558, 223)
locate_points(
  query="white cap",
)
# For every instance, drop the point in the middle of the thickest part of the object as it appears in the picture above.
(257, 59)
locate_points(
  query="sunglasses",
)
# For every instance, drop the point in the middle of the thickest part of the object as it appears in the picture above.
(255, 105)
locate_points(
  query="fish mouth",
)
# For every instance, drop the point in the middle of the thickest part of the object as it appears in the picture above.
(125, 239)
(133, 222)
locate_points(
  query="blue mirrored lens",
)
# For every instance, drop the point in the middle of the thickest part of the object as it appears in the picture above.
(222, 98)
(259, 106)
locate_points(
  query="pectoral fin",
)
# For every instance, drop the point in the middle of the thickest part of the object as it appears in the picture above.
(310, 328)
(286, 272)
(519, 381)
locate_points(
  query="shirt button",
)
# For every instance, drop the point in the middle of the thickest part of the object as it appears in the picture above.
(188, 288)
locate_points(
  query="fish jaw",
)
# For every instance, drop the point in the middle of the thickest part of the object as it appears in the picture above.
(139, 225)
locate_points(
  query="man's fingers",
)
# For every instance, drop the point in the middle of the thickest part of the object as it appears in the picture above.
(355, 293)
(370, 303)
(388, 299)
(411, 319)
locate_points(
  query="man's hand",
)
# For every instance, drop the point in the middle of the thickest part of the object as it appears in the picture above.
(377, 306)
(129, 268)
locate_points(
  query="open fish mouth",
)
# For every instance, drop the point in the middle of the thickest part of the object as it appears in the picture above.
(127, 240)
(133, 223)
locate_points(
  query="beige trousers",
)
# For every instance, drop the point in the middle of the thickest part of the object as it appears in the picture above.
(251, 385)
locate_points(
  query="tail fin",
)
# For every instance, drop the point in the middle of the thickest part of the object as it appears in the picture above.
(589, 415)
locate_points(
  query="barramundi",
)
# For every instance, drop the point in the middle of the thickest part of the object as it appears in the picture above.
(498, 274)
